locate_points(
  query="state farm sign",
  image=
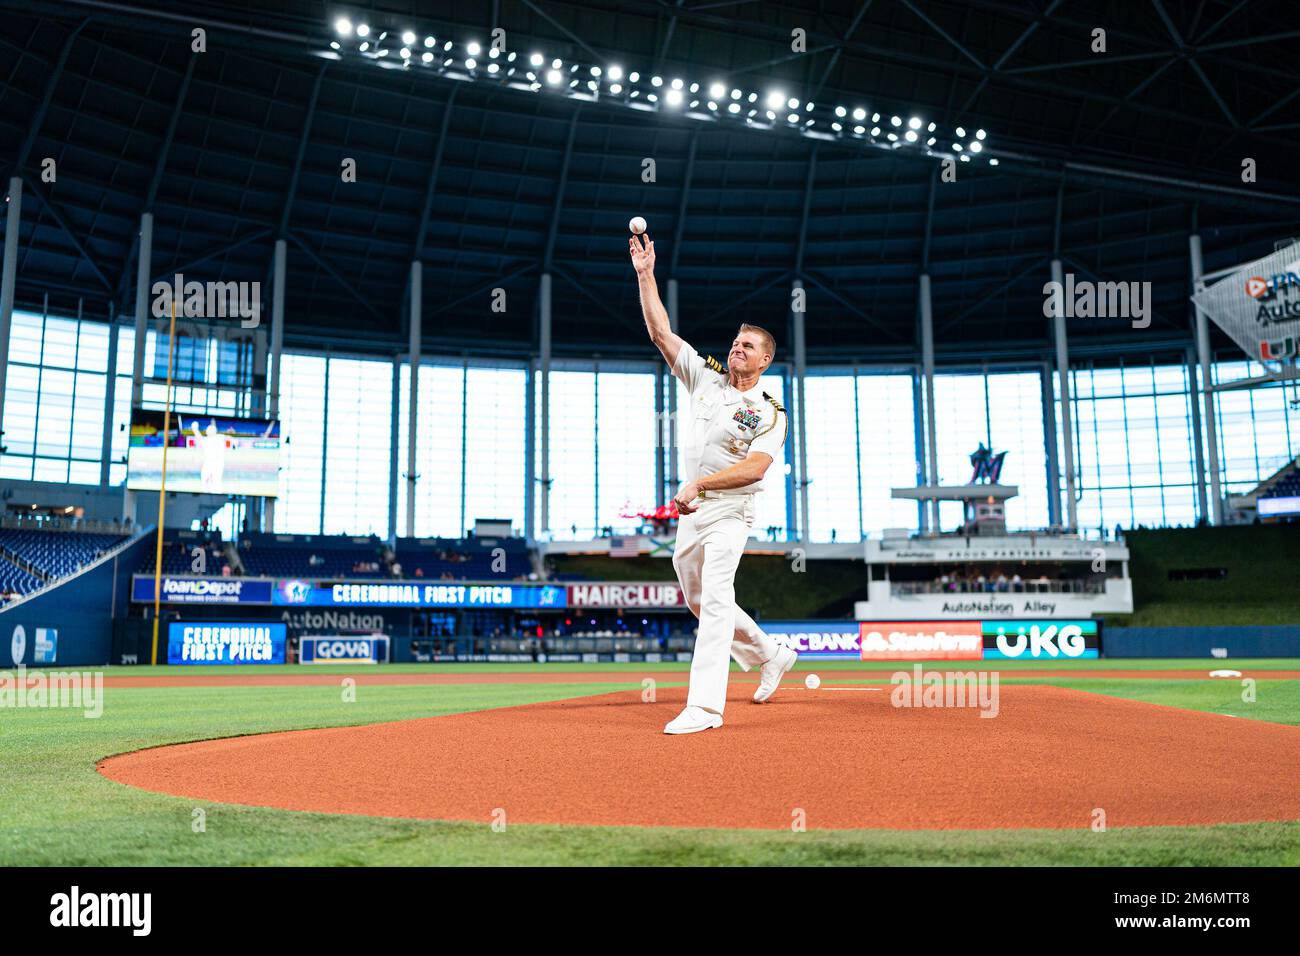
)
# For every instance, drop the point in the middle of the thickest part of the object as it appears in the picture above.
(625, 595)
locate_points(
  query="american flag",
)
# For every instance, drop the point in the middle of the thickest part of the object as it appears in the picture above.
(624, 547)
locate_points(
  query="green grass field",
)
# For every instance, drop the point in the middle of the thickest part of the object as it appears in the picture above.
(56, 810)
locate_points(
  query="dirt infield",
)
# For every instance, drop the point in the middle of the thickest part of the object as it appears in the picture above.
(378, 678)
(1050, 758)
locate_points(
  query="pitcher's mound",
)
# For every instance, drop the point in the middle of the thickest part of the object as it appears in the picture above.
(1051, 757)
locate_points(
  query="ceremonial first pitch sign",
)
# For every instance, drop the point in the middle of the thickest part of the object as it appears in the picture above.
(205, 643)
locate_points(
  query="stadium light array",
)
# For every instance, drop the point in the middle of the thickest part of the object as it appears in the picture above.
(712, 101)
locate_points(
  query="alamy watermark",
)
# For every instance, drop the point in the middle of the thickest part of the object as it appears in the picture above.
(1098, 300)
(208, 300)
(71, 690)
(920, 688)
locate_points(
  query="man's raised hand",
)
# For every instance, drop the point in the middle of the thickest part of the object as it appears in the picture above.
(642, 251)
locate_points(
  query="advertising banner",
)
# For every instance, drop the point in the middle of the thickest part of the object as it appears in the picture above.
(940, 640)
(1272, 507)
(415, 594)
(227, 643)
(343, 649)
(1258, 306)
(46, 648)
(823, 640)
(1041, 640)
(664, 595)
(922, 641)
(178, 590)
(302, 592)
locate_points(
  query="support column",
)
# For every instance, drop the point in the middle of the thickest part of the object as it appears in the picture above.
(673, 429)
(927, 371)
(918, 442)
(530, 453)
(393, 461)
(413, 398)
(277, 353)
(8, 276)
(1215, 514)
(1198, 450)
(1050, 446)
(143, 267)
(1063, 388)
(544, 413)
(110, 400)
(277, 323)
(800, 418)
(661, 431)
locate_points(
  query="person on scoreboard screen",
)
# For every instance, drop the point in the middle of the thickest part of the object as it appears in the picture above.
(212, 446)
(736, 431)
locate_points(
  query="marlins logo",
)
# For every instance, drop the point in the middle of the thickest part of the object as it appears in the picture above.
(295, 592)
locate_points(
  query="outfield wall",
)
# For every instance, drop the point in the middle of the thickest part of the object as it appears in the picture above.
(77, 612)
(1228, 642)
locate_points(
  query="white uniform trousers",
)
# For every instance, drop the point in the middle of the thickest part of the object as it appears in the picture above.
(709, 546)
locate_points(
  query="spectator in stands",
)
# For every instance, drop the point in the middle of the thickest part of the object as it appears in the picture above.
(1016, 583)
(1002, 580)
(397, 569)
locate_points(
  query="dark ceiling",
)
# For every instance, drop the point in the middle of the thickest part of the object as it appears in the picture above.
(1135, 145)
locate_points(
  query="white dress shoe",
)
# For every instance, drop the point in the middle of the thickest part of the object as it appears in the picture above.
(692, 720)
(772, 672)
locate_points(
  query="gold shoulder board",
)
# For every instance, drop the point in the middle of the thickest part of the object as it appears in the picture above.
(714, 365)
(775, 404)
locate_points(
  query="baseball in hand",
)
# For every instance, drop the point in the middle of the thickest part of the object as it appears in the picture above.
(812, 682)
(637, 225)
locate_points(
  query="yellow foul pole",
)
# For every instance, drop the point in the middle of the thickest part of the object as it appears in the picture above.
(162, 485)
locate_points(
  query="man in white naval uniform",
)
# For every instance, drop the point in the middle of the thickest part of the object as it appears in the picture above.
(735, 430)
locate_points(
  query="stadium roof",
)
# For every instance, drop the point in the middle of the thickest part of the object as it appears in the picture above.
(487, 183)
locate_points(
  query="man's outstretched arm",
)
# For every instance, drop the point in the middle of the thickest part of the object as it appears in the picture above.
(661, 332)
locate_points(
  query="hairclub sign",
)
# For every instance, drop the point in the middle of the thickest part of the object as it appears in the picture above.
(659, 595)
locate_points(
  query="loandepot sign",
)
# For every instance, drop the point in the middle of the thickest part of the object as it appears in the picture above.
(1259, 306)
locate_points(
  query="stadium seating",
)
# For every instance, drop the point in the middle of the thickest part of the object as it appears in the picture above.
(471, 559)
(312, 556)
(178, 554)
(1286, 487)
(55, 553)
(14, 580)
(29, 557)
